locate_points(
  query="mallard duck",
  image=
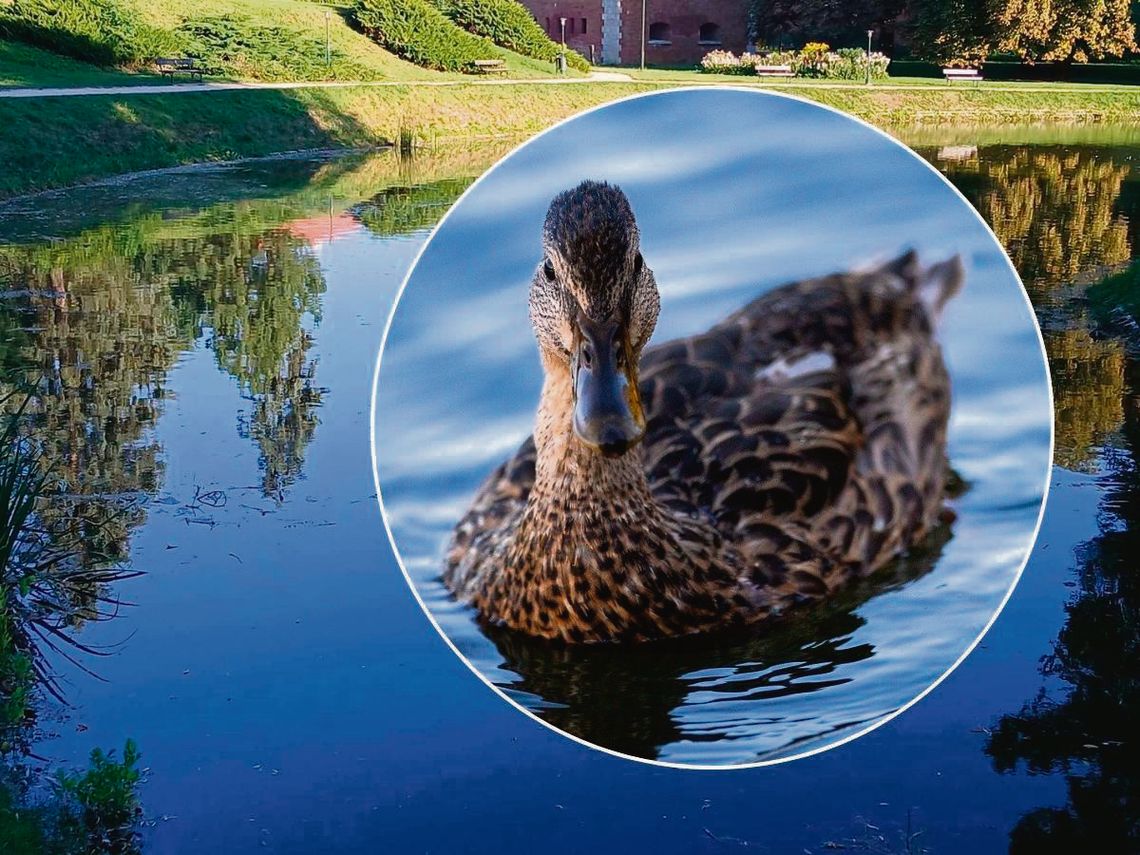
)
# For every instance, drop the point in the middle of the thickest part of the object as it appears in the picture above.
(712, 481)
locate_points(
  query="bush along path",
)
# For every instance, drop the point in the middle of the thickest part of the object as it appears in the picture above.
(508, 24)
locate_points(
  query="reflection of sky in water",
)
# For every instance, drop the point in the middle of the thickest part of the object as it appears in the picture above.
(735, 193)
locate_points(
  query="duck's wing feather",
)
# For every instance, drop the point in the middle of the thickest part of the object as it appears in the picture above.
(781, 417)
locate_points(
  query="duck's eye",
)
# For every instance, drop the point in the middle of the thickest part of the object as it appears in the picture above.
(548, 270)
(638, 262)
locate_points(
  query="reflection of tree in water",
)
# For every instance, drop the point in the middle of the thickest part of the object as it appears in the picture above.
(253, 293)
(1088, 388)
(627, 698)
(1087, 730)
(1055, 210)
(97, 345)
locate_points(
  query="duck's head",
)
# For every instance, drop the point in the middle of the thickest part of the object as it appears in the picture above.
(593, 304)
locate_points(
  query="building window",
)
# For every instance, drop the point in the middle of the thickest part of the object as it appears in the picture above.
(583, 26)
(710, 34)
(548, 30)
(659, 33)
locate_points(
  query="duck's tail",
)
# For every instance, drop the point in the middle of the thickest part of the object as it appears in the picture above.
(934, 286)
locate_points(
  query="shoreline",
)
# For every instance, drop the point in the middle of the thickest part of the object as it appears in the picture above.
(56, 143)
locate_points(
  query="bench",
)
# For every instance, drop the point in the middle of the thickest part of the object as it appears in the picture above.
(169, 66)
(489, 66)
(774, 71)
(952, 74)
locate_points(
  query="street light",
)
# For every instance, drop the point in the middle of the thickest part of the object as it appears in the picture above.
(643, 35)
(869, 34)
(562, 56)
(328, 44)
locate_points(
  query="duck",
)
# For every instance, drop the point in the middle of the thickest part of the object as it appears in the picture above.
(717, 481)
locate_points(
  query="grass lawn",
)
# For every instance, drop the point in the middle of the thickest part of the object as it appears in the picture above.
(24, 65)
(691, 77)
(256, 52)
(362, 58)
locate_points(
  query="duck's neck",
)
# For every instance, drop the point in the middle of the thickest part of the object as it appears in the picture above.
(572, 476)
(605, 558)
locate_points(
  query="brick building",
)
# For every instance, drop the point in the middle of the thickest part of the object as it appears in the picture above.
(678, 32)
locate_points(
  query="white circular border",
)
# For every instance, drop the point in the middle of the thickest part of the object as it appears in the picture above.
(769, 93)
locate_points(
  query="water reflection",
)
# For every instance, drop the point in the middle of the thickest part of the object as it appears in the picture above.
(1083, 726)
(100, 304)
(1067, 216)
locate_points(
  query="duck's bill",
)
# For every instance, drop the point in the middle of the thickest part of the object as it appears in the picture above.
(607, 407)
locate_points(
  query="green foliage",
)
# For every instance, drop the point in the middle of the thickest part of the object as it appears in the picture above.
(21, 485)
(16, 679)
(794, 22)
(508, 24)
(106, 791)
(1064, 30)
(961, 32)
(103, 32)
(238, 46)
(952, 32)
(420, 33)
(402, 210)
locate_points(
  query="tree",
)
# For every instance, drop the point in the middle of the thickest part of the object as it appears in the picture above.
(1064, 30)
(948, 31)
(834, 21)
(1034, 30)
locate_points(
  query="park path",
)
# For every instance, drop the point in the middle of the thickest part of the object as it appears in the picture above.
(180, 88)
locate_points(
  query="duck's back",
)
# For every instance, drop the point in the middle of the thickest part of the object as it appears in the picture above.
(814, 417)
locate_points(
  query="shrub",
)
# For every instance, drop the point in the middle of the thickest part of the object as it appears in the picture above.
(509, 24)
(724, 62)
(103, 32)
(420, 33)
(237, 45)
(815, 60)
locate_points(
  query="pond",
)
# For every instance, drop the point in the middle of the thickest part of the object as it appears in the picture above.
(206, 341)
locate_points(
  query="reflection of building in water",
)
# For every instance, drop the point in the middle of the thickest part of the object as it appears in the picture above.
(957, 152)
(678, 31)
(323, 228)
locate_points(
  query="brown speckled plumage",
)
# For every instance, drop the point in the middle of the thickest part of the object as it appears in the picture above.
(791, 448)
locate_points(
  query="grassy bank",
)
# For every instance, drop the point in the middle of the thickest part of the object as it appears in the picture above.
(56, 142)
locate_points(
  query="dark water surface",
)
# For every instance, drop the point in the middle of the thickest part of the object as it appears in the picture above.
(208, 351)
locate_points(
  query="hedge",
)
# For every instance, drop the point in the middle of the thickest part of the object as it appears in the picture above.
(103, 32)
(508, 24)
(420, 33)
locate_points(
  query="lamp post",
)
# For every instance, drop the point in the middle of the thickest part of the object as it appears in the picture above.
(643, 35)
(869, 34)
(328, 44)
(562, 56)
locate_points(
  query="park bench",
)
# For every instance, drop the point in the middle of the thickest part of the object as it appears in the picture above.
(774, 71)
(169, 66)
(952, 74)
(489, 66)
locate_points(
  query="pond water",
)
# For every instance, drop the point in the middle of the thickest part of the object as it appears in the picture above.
(810, 192)
(215, 331)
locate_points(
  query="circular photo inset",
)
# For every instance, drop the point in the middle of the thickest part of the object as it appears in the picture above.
(712, 427)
